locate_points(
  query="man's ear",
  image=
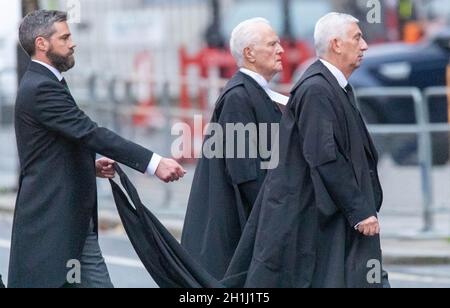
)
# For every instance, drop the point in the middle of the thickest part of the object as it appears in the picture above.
(336, 46)
(249, 55)
(41, 44)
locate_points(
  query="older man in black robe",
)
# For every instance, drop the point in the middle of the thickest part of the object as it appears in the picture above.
(315, 221)
(225, 188)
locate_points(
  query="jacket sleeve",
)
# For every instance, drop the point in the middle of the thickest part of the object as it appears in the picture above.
(56, 110)
(326, 158)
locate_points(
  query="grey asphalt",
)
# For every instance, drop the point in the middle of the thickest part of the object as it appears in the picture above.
(124, 266)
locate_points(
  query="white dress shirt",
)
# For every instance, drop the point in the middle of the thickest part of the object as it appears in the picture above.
(154, 164)
(343, 82)
(274, 96)
(156, 159)
(52, 69)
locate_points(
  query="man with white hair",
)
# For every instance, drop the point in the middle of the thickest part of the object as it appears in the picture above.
(225, 188)
(315, 222)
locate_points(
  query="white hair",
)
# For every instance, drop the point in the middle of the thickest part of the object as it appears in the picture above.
(330, 27)
(245, 35)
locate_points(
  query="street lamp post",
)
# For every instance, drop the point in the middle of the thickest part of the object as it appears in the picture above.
(23, 59)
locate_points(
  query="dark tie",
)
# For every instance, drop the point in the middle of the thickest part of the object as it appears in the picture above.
(281, 107)
(64, 83)
(350, 94)
(352, 98)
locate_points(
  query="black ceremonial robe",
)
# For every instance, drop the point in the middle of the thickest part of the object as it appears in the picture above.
(224, 189)
(301, 230)
(163, 257)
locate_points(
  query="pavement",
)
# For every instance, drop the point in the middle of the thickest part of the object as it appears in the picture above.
(127, 271)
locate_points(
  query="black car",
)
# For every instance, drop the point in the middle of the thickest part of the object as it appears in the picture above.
(420, 65)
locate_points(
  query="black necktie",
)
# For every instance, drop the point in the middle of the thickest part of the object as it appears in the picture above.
(352, 98)
(280, 107)
(64, 83)
(350, 94)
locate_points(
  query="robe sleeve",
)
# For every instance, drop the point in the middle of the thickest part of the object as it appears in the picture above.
(237, 115)
(317, 124)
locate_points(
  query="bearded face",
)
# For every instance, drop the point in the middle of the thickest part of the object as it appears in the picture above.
(62, 63)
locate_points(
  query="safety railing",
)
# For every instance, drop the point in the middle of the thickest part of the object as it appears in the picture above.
(121, 107)
(422, 128)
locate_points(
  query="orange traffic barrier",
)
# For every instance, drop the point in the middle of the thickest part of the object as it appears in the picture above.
(412, 32)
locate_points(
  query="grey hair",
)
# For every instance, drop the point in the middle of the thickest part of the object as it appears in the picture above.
(243, 36)
(39, 23)
(330, 27)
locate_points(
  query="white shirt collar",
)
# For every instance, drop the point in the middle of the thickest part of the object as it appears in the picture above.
(343, 82)
(274, 96)
(51, 68)
(257, 77)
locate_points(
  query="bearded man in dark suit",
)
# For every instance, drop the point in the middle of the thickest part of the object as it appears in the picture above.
(55, 222)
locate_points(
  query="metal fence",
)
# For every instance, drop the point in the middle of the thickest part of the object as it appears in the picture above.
(122, 110)
(115, 103)
(423, 129)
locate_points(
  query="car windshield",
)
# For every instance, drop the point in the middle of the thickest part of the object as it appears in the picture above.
(304, 14)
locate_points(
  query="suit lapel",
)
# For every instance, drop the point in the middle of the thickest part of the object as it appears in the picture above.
(40, 69)
(343, 98)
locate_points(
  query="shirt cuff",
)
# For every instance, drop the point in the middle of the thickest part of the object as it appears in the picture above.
(154, 164)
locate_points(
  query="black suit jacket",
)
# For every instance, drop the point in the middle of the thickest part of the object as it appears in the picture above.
(57, 198)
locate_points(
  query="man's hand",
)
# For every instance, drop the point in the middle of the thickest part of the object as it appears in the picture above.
(169, 171)
(369, 227)
(105, 168)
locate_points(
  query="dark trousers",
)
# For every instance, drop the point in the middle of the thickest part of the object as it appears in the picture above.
(2, 286)
(94, 273)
